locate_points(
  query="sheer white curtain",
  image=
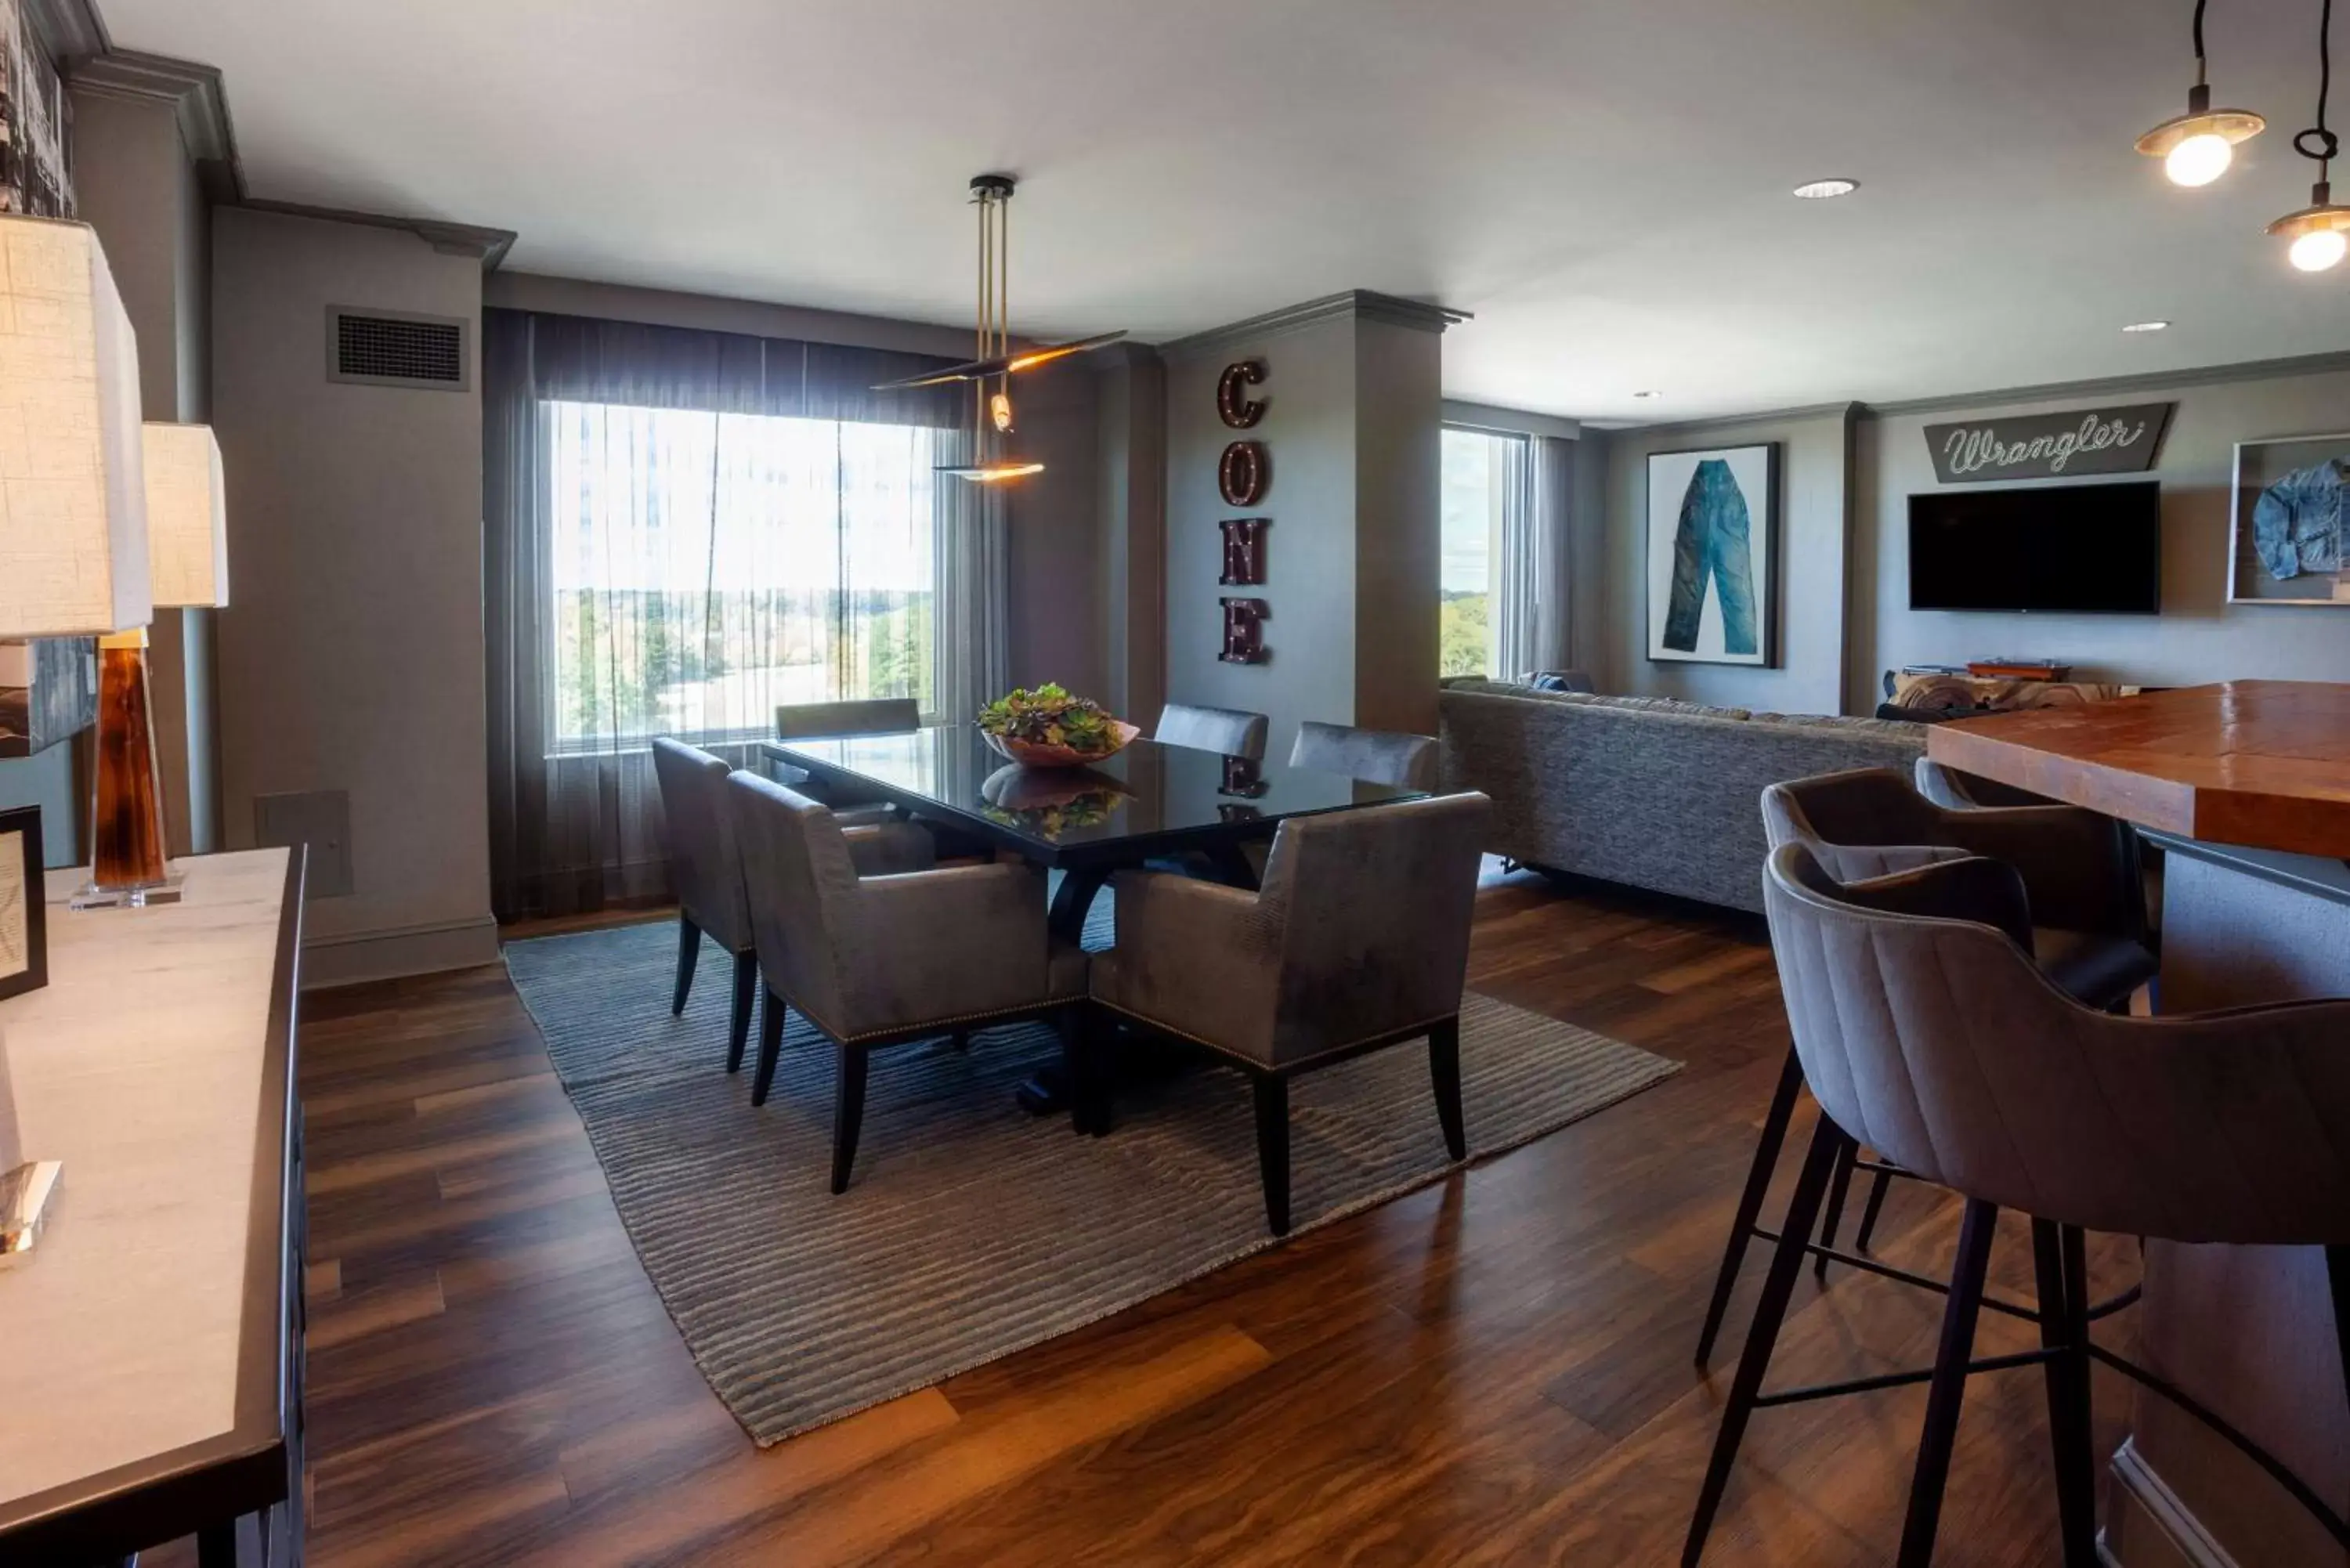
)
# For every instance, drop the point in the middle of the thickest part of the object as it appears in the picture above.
(683, 530)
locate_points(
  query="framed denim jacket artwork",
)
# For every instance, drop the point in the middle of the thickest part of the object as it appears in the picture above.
(2286, 542)
(1713, 555)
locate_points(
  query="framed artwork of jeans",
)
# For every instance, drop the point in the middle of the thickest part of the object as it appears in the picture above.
(2286, 544)
(1713, 554)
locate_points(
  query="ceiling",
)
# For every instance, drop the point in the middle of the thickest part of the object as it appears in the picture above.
(1604, 183)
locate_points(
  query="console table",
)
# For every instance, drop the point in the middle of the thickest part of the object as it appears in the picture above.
(152, 1341)
(2248, 787)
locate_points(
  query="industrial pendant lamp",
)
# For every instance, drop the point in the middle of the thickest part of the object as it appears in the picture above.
(2320, 231)
(2197, 148)
(996, 363)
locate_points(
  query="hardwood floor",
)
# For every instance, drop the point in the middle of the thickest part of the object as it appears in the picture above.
(1494, 1370)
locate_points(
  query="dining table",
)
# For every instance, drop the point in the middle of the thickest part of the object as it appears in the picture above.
(1150, 805)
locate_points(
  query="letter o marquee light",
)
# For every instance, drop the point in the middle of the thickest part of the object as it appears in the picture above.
(1245, 473)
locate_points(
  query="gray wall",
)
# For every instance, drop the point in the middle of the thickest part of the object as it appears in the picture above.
(1055, 543)
(1815, 510)
(1309, 431)
(2199, 637)
(135, 184)
(1398, 371)
(1351, 426)
(1130, 488)
(352, 654)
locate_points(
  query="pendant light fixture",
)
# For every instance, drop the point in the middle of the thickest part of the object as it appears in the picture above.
(996, 363)
(2320, 231)
(2197, 148)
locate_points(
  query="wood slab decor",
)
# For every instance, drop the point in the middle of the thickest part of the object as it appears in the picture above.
(2258, 762)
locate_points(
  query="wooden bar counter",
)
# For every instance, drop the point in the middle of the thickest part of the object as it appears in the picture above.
(2247, 786)
(150, 1342)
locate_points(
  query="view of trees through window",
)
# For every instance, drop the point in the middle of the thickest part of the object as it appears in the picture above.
(708, 567)
(1475, 463)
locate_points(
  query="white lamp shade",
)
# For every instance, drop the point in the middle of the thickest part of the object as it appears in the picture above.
(73, 495)
(187, 516)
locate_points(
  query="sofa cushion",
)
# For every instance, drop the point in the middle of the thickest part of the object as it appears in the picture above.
(1838, 722)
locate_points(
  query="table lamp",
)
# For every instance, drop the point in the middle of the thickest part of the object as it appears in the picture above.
(187, 538)
(73, 509)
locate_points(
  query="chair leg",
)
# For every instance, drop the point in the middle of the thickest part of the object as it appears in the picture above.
(1875, 1207)
(738, 1024)
(688, 950)
(771, 1046)
(960, 1041)
(1444, 1071)
(1763, 1332)
(1948, 1390)
(1839, 1188)
(1272, 1147)
(2338, 1270)
(848, 1112)
(1750, 1202)
(2064, 1326)
(1081, 1063)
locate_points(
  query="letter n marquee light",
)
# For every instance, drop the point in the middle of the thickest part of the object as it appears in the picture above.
(1243, 551)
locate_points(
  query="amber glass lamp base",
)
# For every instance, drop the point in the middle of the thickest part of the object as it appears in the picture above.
(127, 864)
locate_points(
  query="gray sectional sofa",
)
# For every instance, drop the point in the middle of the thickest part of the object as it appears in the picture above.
(1642, 790)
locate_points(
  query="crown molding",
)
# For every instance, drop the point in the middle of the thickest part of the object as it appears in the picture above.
(489, 246)
(195, 96)
(1510, 422)
(1357, 303)
(70, 30)
(2112, 386)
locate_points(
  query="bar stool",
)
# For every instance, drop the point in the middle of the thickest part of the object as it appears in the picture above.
(2089, 936)
(1927, 1031)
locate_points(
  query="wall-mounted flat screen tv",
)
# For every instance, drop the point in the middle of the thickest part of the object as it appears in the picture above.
(2094, 550)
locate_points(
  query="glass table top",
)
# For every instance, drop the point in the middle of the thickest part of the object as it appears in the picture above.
(1148, 794)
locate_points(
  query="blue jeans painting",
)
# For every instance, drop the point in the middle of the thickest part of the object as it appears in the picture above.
(1712, 546)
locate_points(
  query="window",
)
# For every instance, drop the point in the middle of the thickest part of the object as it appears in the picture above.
(1478, 466)
(707, 567)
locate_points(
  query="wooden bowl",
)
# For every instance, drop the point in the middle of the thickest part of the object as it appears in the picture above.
(1031, 754)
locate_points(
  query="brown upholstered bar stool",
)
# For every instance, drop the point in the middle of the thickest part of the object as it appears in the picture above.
(1926, 1031)
(2089, 933)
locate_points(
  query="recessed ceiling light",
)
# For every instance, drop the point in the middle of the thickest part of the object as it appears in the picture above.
(2146, 326)
(1822, 190)
(1647, 394)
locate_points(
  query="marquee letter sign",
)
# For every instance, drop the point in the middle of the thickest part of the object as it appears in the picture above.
(1233, 402)
(1245, 473)
(1243, 551)
(2049, 446)
(1244, 777)
(1243, 631)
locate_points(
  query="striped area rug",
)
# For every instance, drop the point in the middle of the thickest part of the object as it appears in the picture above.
(970, 1231)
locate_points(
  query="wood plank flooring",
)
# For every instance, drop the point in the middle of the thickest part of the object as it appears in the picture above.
(1492, 1371)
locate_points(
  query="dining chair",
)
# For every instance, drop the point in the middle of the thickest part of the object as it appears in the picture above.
(862, 716)
(1928, 1030)
(878, 960)
(1231, 731)
(2090, 935)
(1374, 756)
(1357, 940)
(1953, 789)
(706, 871)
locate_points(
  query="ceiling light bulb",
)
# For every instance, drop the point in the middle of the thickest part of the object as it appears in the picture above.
(2146, 326)
(2318, 250)
(1647, 394)
(2198, 159)
(1823, 190)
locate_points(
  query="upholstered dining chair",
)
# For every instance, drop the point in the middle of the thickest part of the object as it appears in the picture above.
(1955, 790)
(2090, 933)
(1928, 1030)
(707, 872)
(877, 960)
(863, 716)
(1357, 940)
(1374, 756)
(1231, 731)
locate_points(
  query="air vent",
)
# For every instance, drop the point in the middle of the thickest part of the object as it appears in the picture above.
(386, 349)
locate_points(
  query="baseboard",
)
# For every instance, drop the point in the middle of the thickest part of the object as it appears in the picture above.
(332, 961)
(2149, 1527)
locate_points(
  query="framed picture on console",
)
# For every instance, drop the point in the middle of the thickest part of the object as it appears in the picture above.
(1712, 557)
(24, 938)
(2286, 538)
